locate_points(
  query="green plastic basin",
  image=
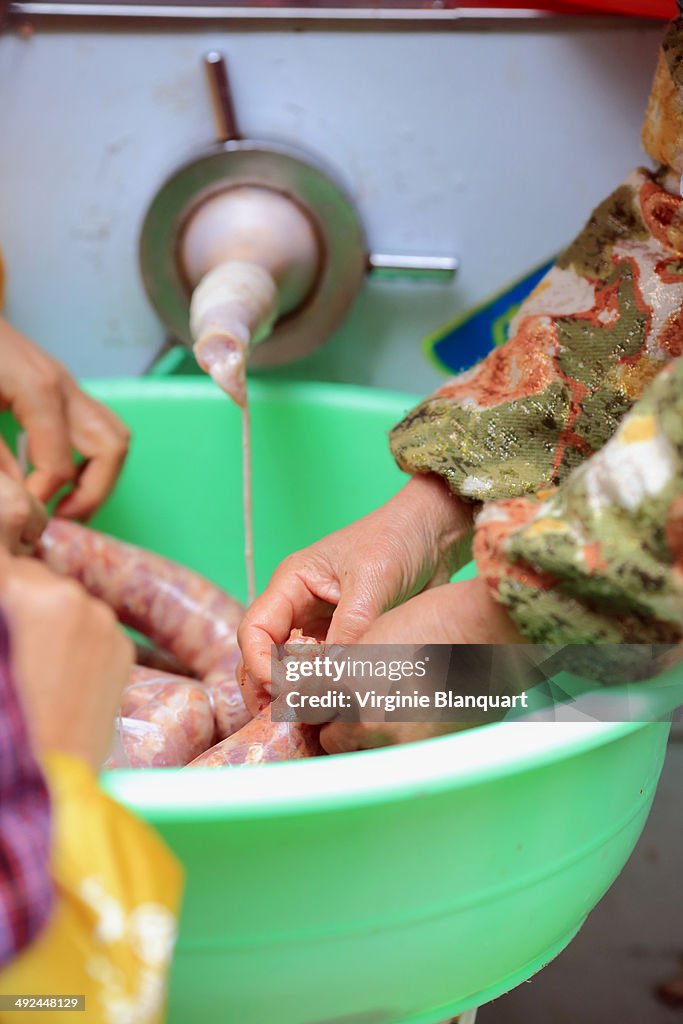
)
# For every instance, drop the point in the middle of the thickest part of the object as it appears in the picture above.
(391, 886)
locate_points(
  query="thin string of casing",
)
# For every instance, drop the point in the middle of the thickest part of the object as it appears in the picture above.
(247, 499)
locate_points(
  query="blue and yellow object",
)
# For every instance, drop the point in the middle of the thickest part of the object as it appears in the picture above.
(464, 341)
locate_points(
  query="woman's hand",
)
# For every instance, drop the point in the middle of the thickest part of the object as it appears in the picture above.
(458, 613)
(22, 517)
(69, 657)
(336, 588)
(58, 417)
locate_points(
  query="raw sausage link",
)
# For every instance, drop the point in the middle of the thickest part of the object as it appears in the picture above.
(176, 608)
(169, 719)
(261, 741)
(181, 612)
(166, 720)
(228, 703)
(264, 740)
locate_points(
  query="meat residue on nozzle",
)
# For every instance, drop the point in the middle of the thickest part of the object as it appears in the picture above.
(224, 359)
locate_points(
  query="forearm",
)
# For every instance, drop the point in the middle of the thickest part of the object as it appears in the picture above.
(427, 503)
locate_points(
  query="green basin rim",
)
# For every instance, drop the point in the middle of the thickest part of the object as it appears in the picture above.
(394, 774)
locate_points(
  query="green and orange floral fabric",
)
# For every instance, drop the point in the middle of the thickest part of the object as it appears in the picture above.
(583, 347)
(600, 558)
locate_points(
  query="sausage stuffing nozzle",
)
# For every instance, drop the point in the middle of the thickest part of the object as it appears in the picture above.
(251, 251)
(255, 243)
(250, 255)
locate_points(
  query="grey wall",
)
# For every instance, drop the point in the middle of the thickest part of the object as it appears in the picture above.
(492, 145)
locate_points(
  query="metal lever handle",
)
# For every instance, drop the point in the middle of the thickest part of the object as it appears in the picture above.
(221, 97)
(432, 268)
(385, 266)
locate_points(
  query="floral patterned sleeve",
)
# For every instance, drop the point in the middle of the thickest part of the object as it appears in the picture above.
(585, 344)
(600, 558)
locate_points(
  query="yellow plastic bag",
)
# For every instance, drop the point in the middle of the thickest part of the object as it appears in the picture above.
(113, 930)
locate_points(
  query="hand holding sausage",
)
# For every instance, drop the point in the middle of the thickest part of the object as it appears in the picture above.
(22, 517)
(457, 613)
(336, 588)
(70, 659)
